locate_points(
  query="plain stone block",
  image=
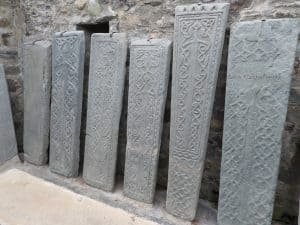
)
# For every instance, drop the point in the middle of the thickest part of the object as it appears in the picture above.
(105, 95)
(68, 50)
(260, 65)
(198, 42)
(148, 82)
(37, 87)
(8, 141)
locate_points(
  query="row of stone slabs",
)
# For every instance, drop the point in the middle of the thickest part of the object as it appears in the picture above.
(261, 57)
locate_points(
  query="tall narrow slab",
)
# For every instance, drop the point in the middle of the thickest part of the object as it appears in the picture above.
(37, 85)
(106, 85)
(67, 80)
(260, 64)
(148, 82)
(198, 43)
(8, 143)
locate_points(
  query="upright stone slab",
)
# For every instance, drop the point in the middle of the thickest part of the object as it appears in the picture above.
(106, 85)
(37, 85)
(260, 64)
(8, 143)
(148, 82)
(68, 50)
(198, 43)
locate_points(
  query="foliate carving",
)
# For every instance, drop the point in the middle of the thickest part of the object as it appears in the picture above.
(148, 81)
(67, 80)
(8, 140)
(106, 84)
(199, 34)
(261, 57)
(37, 83)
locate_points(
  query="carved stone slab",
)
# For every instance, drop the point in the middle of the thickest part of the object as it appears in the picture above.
(260, 64)
(148, 82)
(8, 141)
(106, 85)
(37, 85)
(67, 80)
(198, 43)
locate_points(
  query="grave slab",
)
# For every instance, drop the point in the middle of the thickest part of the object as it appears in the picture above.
(148, 82)
(106, 85)
(260, 65)
(68, 50)
(37, 87)
(198, 42)
(7, 132)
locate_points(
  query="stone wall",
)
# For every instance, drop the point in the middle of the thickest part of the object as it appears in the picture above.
(31, 19)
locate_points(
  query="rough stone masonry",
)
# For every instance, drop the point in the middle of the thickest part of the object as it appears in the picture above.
(260, 65)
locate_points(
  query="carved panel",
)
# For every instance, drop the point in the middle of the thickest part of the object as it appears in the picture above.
(261, 58)
(148, 81)
(66, 102)
(198, 42)
(106, 84)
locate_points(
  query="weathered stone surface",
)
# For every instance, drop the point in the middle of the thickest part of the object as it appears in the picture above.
(260, 64)
(66, 101)
(148, 83)
(37, 84)
(138, 18)
(106, 85)
(198, 42)
(7, 133)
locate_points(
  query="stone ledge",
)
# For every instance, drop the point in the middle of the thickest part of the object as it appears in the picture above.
(206, 215)
(26, 199)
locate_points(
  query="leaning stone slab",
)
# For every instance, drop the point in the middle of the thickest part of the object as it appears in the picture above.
(68, 51)
(260, 64)
(148, 82)
(37, 85)
(8, 141)
(198, 43)
(106, 85)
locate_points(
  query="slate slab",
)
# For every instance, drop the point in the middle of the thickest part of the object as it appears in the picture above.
(148, 82)
(260, 65)
(37, 88)
(105, 95)
(68, 49)
(8, 141)
(198, 42)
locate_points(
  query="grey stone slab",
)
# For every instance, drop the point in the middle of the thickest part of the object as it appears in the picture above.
(148, 82)
(260, 65)
(8, 141)
(105, 97)
(68, 51)
(198, 42)
(37, 86)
